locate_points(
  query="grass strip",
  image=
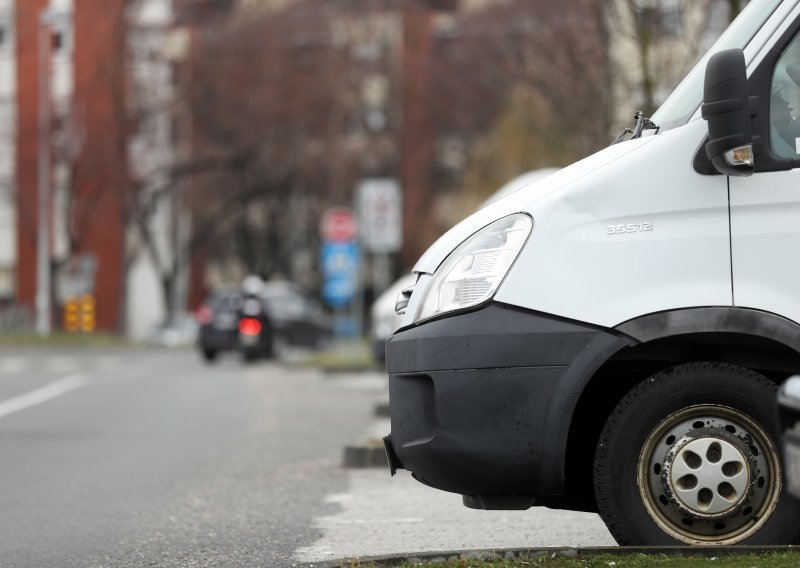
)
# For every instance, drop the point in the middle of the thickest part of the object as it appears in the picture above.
(343, 356)
(63, 339)
(788, 559)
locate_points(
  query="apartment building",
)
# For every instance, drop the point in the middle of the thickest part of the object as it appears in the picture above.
(155, 48)
(8, 217)
(104, 73)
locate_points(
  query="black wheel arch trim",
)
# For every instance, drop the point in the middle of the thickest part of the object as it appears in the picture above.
(566, 395)
(636, 331)
(722, 319)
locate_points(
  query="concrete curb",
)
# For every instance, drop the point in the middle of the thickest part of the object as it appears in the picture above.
(337, 370)
(523, 553)
(382, 410)
(368, 454)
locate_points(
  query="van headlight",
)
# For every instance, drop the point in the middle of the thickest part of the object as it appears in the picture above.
(472, 273)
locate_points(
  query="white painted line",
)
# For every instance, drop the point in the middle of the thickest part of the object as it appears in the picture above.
(38, 396)
(13, 365)
(322, 522)
(108, 363)
(61, 365)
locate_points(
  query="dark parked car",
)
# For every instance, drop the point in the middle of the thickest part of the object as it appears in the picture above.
(297, 319)
(259, 317)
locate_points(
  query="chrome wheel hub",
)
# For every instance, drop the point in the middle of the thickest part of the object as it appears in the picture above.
(708, 477)
(709, 474)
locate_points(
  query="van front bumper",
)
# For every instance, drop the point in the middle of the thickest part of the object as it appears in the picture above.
(471, 398)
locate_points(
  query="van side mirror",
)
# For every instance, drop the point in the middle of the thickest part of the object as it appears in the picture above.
(726, 107)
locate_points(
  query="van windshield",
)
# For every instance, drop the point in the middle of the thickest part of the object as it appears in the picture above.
(686, 98)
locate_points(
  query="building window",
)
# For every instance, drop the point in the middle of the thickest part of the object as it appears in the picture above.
(58, 41)
(2, 37)
(6, 287)
(61, 40)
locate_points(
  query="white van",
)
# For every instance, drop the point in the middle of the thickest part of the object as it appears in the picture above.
(610, 338)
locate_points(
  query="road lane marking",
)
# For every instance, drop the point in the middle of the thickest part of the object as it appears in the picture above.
(61, 365)
(107, 363)
(13, 365)
(43, 394)
(332, 521)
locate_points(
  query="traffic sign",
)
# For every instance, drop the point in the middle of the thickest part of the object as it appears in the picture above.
(88, 321)
(380, 215)
(71, 316)
(340, 269)
(79, 314)
(338, 225)
(339, 292)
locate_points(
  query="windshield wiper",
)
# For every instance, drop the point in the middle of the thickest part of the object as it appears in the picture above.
(642, 123)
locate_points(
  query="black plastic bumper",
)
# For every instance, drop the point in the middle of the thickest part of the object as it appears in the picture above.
(472, 401)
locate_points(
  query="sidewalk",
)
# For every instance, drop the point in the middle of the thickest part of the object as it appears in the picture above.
(381, 515)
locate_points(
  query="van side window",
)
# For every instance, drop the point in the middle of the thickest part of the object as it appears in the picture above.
(785, 103)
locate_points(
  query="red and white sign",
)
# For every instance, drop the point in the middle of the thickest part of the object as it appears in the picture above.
(338, 225)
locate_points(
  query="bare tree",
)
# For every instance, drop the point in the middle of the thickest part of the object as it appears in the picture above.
(658, 41)
(519, 85)
(277, 97)
(278, 117)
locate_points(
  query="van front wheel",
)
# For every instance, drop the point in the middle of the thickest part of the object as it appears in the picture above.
(690, 456)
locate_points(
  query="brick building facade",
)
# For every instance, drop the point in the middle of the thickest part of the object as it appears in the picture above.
(8, 237)
(89, 171)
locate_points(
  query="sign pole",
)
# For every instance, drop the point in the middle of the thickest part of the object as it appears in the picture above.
(358, 301)
(43, 231)
(381, 272)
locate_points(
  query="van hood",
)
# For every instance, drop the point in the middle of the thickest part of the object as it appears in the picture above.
(522, 200)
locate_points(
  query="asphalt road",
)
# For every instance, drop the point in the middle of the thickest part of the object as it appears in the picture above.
(150, 458)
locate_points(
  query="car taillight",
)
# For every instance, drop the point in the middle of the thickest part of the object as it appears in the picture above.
(249, 326)
(204, 315)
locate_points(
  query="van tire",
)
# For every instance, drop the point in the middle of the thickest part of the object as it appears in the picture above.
(717, 418)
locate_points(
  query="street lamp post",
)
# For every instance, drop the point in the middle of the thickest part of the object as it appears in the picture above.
(47, 19)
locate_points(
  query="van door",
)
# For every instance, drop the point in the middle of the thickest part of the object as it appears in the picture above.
(765, 207)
